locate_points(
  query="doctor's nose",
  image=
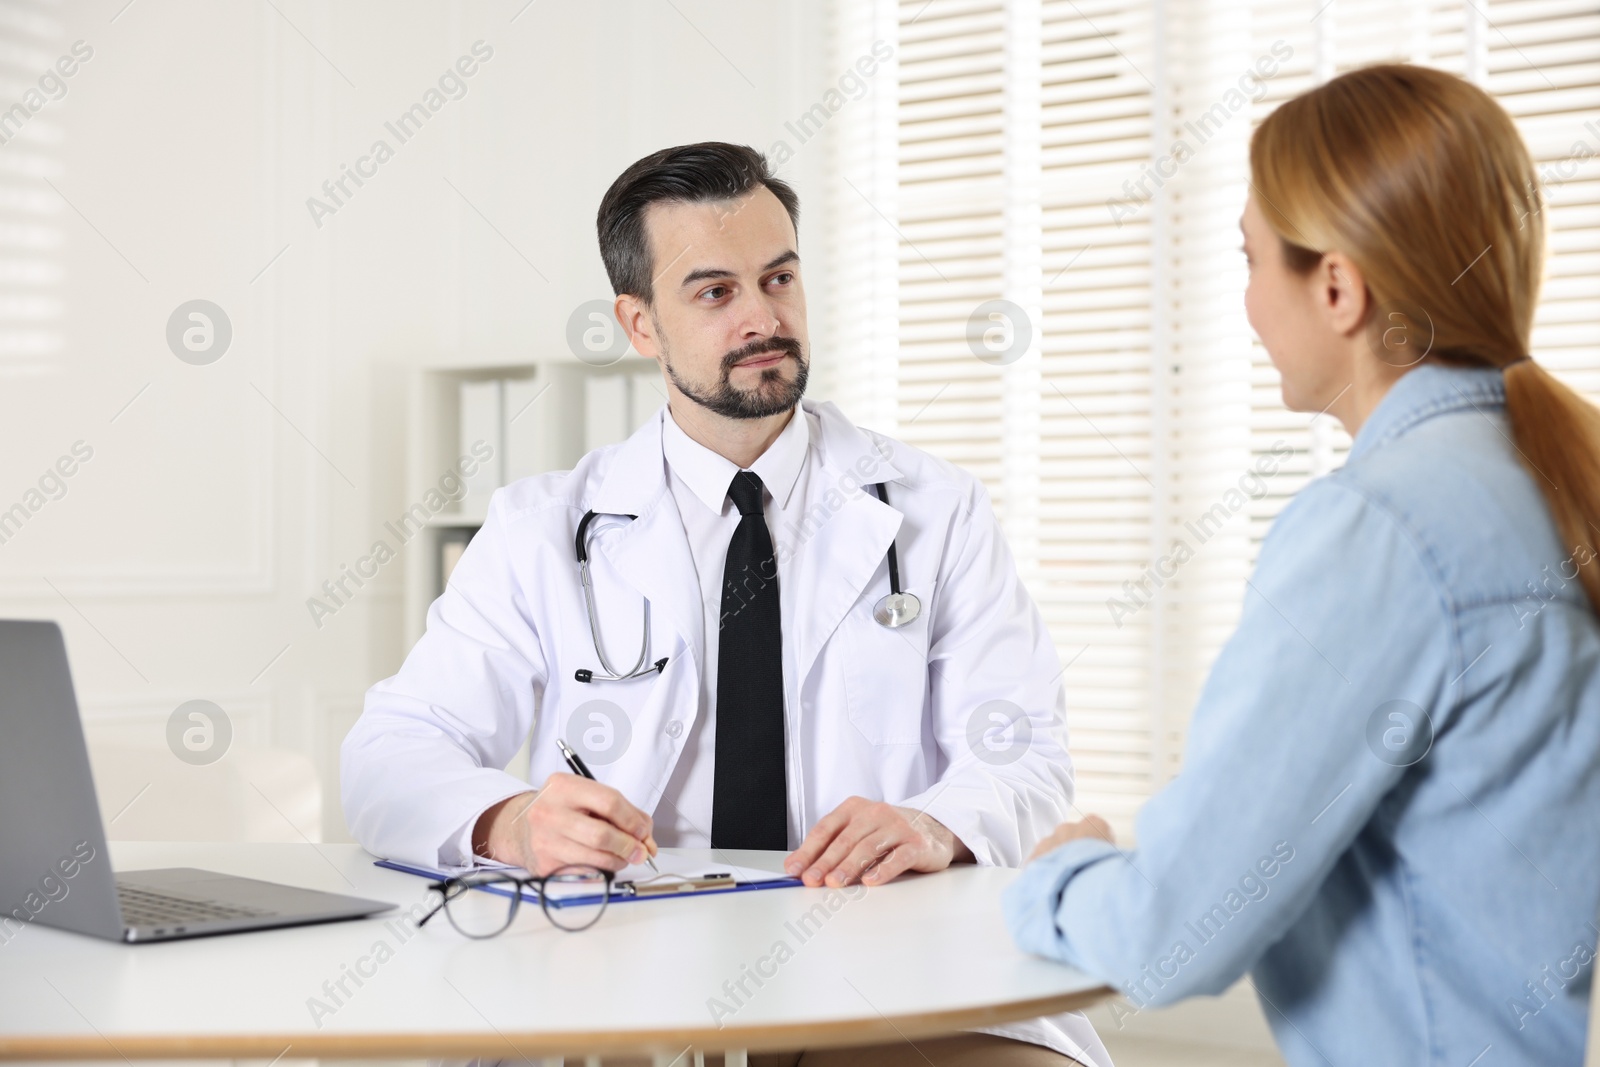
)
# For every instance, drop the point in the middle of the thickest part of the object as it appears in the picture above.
(756, 317)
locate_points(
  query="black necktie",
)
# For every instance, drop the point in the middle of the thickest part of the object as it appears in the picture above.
(749, 808)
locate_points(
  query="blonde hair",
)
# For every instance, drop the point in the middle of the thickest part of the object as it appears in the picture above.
(1424, 182)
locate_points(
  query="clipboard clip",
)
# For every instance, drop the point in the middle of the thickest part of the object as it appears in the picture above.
(669, 884)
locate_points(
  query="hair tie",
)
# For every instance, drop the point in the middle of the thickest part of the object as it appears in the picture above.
(1513, 363)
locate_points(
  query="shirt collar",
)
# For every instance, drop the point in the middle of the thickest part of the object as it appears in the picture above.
(708, 474)
(1429, 390)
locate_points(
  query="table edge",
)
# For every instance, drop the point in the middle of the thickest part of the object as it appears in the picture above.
(532, 1045)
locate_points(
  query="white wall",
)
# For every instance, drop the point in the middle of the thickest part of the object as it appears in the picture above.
(219, 497)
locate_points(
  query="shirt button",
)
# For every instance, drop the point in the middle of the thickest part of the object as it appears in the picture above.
(674, 729)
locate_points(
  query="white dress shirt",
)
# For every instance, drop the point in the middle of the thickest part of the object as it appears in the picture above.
(699, 479)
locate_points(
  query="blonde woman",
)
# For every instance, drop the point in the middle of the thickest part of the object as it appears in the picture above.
(1389, 812)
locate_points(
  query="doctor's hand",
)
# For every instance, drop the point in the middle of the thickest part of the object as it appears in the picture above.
(1090, 826)
(572, 820)
(872, 842)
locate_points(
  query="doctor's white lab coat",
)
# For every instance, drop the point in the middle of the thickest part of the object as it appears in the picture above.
(959, 713)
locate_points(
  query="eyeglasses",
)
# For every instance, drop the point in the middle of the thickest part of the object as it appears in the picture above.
(486, 914)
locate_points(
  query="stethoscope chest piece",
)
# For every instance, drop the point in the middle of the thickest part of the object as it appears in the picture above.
(897, 609)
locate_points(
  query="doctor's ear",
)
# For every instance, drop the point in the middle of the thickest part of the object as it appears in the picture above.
(638, 323)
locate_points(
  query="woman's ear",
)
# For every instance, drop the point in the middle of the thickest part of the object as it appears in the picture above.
(1341, 294)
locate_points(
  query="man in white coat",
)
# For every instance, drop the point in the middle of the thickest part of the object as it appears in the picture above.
(739, 546)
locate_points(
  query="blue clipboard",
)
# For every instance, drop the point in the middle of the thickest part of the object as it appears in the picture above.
(616, 898)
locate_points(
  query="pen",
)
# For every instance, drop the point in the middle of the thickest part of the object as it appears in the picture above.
(575, 761)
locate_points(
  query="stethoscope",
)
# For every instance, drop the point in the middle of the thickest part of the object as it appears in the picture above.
(639, 668)
(893, 611)
(899, 607)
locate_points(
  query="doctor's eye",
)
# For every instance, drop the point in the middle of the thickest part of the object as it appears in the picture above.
(716, 292)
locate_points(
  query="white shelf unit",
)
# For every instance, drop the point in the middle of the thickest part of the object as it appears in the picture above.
(566, 425)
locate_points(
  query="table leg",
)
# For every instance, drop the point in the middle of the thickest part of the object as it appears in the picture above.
(735, 1057)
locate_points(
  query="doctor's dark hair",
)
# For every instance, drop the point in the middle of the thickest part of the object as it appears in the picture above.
(688, 174)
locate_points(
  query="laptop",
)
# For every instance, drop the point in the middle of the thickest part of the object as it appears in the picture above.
(54, 865)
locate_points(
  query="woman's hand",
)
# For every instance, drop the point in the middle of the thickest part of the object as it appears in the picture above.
(1091, 826)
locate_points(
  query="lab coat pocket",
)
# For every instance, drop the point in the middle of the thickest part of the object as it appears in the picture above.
(627, 723)
(601, 728)
(886, 676)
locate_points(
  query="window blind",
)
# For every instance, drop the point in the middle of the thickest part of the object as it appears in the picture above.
(31, 309)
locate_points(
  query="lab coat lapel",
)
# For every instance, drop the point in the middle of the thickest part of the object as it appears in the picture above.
(836, 557)
(652, 552)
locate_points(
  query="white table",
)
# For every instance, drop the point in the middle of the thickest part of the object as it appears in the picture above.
(921, 956)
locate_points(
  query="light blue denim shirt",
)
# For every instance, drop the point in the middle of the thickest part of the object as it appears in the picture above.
(1389, 810)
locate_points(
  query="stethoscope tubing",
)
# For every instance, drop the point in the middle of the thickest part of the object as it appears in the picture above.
(894, 557)
(611, 675)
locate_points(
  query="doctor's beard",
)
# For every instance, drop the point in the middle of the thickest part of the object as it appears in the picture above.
(772, 394)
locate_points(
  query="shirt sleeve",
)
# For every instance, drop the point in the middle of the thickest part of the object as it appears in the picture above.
(996, 700)
(1326, 693)
(425, 758)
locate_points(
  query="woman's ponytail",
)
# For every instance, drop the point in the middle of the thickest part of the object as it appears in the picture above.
(1558, 433)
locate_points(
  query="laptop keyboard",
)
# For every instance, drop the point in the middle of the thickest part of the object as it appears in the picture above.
(148, 907)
